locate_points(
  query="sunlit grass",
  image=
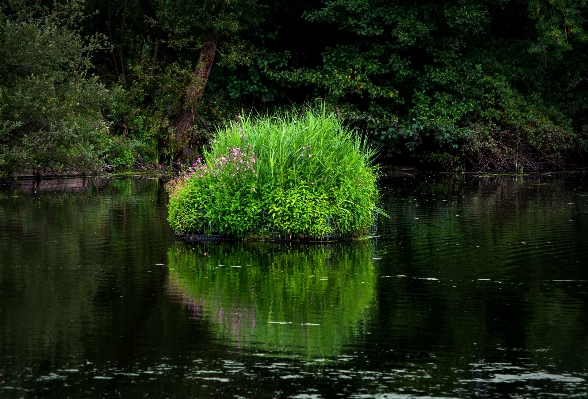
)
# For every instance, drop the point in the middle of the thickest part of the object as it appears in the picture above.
(310, 175)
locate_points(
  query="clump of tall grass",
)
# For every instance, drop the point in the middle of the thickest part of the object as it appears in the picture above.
(299, 175)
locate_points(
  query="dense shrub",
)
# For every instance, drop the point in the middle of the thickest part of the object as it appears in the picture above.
(50, 106)
(297, 176)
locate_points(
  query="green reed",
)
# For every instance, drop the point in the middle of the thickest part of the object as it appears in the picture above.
(313, 177)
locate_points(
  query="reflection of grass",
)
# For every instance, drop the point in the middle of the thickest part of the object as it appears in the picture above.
(306, 300)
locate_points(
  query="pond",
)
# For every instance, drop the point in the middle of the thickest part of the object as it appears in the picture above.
(473, 287)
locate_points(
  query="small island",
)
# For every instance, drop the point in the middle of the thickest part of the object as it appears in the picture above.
(299, 176)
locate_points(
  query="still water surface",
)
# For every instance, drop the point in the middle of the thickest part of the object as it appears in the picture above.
(475, 287)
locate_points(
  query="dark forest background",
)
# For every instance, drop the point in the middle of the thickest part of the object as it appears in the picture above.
(483, 85)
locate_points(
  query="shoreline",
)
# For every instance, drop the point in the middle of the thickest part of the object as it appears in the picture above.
(170, 172)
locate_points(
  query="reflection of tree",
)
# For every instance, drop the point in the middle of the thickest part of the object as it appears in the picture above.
(305, 300)
(506, 219)
(558, 325)
(69, 259)
(496, 266)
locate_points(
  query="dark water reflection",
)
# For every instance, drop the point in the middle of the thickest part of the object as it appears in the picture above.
(476, 287)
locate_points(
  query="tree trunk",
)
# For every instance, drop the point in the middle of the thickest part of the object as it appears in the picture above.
(185, 120)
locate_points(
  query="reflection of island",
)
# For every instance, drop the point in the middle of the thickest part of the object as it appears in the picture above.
(70, 185)
(305, 301)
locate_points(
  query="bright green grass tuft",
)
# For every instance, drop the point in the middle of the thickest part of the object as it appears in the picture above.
(300, 176)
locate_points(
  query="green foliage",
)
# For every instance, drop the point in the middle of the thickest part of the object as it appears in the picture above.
(309, 175)
(477, 84)
(560, 25)
(142, 112)
(515, 132)
(300, 210)
(50, 108)
(303, 301)
(418, 77)
(152, 57)
(220, 197)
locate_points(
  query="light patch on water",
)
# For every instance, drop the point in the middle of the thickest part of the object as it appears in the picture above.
(291, 376)
(279, 322)
(51, 376)
(102, 377)
(152, 372)
(394, 396)
(306, 396)
(231, 363)
(273, 366)
(502, 378)
(236, 370)
(310, 324)
(9, 388)
(494, 366)
(220, 379)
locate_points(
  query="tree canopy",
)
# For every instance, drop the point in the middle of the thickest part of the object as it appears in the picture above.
(495, 85)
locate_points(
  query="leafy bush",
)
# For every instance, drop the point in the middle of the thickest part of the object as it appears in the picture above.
(143, 110)
(299, 175)
(517, 133)
(50, 107)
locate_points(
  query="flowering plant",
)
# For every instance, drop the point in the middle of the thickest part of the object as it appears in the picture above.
(299, 176)
(219, 194)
